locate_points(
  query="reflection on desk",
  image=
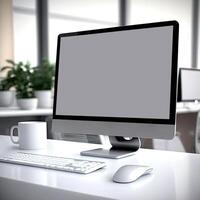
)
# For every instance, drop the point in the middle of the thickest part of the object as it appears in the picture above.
(175, 176)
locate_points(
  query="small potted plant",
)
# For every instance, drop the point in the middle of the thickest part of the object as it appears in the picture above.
(20, 75)
(42, 81)
(6, 95)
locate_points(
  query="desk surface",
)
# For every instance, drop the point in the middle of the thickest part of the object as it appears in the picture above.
(175, 175)
(16, 112)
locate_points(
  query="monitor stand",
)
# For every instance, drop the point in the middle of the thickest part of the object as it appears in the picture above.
(121, 147)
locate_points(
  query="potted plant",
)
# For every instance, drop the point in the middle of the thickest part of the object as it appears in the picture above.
(20, 75)
(6, 95)
(42, 81)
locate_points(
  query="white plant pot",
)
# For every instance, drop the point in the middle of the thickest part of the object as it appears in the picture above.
(6, 98)
(28, 103)
(44, 98)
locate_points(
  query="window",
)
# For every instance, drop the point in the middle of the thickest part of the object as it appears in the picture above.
(145, 11)
(25, 31)
(76, 15)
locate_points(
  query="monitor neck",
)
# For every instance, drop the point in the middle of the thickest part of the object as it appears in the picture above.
(124, 143)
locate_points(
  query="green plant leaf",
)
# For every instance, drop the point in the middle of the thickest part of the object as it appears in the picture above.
(42, 77)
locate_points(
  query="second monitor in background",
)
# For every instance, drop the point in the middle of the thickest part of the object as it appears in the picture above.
(189, 86)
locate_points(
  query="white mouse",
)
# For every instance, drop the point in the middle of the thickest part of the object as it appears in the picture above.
(130, 173)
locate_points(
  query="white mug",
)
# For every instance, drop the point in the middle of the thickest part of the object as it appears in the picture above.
(31, 135)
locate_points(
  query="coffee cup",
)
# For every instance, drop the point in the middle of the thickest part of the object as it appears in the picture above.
(32, 135)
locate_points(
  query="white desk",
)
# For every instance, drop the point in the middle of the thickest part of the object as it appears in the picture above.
(16, 112)
(175, 176)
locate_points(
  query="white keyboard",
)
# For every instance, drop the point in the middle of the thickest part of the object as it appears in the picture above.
(52, 162)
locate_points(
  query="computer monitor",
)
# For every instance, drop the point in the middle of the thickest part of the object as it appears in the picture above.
(118, 82)
(189, 85)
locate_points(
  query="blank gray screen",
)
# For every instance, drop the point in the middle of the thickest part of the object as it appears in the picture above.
(190, 84)
(116, 74)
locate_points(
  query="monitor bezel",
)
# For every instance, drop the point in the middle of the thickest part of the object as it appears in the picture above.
(180, 92)
(172, 112)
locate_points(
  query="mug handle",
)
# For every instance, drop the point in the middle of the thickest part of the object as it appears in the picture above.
(11, 134)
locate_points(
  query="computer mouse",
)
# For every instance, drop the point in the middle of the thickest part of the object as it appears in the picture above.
(130, 173)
